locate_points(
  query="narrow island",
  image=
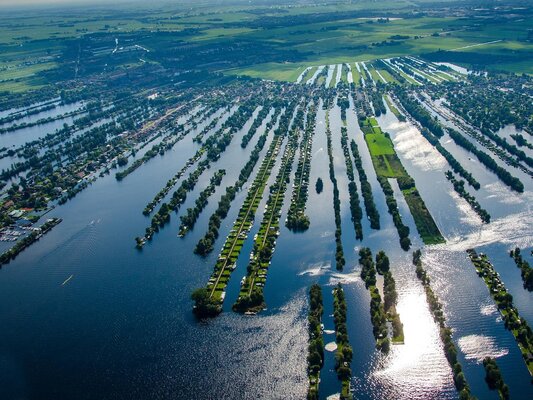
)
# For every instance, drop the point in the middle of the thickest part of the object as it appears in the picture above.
(344, 354)
(315, 358)
(504, 301)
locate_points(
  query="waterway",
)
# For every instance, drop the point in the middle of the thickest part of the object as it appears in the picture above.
(85, 315)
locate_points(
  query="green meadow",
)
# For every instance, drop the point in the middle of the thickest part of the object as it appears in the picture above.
(242, 39)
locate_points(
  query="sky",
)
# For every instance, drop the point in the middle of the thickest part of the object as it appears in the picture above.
(52, 2)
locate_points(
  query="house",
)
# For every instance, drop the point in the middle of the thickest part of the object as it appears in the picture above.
(8, 204)
(16, 213)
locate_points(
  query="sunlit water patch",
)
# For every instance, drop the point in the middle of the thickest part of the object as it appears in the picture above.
(413, 146)
(497, 190)
(345, 278)
(317, 269)
(419, 362)
(467, 215)
(515, 229)
(488, 309)
(477, 347)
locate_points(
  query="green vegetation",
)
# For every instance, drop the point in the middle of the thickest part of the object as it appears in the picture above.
(308, 74)
(344, 354)
(377, 310)
(274, 43)
(355, 208)
(333, 77)
(392, 205)
(525, 270)
(204, 304)
(403, 230)
(319, 185)
(366, 189)
(315, 358)
(494, 378)
(450, 350)
(356, 76)
(344, 74)
(390, 296)
(394, 110)
(388, 165)
(296, 218)
(503, 299)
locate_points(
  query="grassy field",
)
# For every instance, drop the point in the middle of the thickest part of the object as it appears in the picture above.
(382, 151)
(379, 144)
(309, 74)
(344, 76)
(392, 107)
(279, 72)
(350, 40)
(356, 75)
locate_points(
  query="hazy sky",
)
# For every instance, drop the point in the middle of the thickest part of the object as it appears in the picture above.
(45, 2)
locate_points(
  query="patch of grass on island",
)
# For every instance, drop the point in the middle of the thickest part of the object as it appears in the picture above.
(356, 76)
(388, 77)
(388, 165)
(344, 76)
(393, 108)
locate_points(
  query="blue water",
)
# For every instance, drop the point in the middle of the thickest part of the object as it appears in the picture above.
(121, 327)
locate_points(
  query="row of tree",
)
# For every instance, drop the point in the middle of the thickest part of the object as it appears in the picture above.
(366, 190)
(525, 269)
(456, 166)
(517, 325)
(418, 112)
(315, 358)
(494, 378)
(392, 205)
(344, 354)
(257, 123)
(355, 208)
(377, 311)
(297, 220)
(504, 175)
